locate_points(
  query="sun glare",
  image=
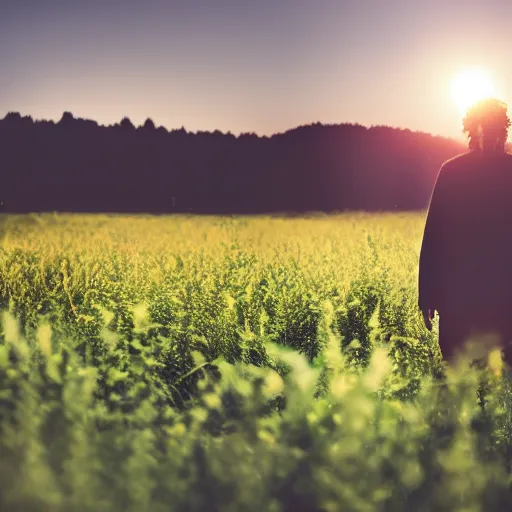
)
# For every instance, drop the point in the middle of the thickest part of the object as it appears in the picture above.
(470, 86)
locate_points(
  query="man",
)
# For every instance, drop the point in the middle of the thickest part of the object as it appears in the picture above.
(465, 271)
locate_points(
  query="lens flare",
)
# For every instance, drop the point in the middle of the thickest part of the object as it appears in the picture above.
(470, 86)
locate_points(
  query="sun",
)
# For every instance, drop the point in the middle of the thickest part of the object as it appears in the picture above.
(470, 86)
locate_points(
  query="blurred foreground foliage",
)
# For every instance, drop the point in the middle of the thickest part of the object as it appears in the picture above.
(231, 364)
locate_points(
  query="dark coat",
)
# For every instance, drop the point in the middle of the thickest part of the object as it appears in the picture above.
(466, 253)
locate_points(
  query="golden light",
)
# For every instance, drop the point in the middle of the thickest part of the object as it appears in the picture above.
(470, 86)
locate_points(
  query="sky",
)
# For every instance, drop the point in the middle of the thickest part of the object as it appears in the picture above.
(250, 66)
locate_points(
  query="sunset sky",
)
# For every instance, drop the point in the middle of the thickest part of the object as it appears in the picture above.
(237, 65)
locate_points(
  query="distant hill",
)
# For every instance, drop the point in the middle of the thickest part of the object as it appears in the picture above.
(78, 165)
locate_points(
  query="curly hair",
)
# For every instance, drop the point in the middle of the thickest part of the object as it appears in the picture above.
(487, 114)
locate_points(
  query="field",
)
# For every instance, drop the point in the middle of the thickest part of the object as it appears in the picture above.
(264, 364)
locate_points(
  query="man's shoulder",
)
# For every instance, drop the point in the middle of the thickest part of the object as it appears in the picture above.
(463, 159)
(458, 162)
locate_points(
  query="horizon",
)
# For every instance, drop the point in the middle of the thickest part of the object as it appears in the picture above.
(261, 68)
(229, 132)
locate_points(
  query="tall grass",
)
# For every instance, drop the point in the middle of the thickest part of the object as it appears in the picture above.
(234, 364)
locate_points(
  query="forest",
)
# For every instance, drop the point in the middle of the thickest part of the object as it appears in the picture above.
(77, 165)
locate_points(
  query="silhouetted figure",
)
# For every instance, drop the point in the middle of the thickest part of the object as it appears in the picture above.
(465, 271)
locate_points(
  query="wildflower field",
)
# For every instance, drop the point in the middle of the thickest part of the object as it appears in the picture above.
(240, 364)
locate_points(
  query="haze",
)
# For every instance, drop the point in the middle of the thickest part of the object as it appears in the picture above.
(247, 66)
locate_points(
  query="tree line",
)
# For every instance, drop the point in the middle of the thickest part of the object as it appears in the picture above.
(77, 165)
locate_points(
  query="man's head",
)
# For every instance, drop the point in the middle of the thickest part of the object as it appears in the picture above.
(486, 124)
